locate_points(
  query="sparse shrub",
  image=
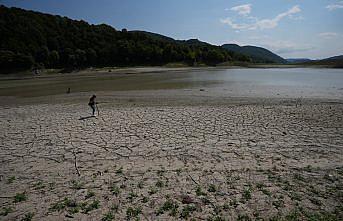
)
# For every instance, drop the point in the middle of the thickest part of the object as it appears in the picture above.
(76, 185)
(114, 189)
(10, 179)
(108, 217)
(159, 184)
(28, 217)
(199, 191)
(246, 194)
(169, 205)
(186, 211)
(19, 197)
(212, 188)
(90, 194)
(133, 212)
(120, 171)
(5, 211)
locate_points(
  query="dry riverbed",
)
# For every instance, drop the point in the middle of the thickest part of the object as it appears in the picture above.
(230, 161)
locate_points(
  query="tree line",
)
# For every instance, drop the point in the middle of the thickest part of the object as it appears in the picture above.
(32, 39)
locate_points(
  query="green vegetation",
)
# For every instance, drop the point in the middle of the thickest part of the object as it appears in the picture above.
(133, 212)
(255, 54)
(212, 188)
(90, 194)
(199, 191)
(186, 211)
(246, 194)
(19, 197)
(5, 211)
(31, 38)
(10, 179)
(120, 171)
(108, 216)
(169, 205)
(39, 185)
(114, 189)
(28, 217)
(94, 205)
(159, 184)
(76, 185)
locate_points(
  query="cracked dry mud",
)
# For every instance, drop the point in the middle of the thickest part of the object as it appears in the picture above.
(171, 163)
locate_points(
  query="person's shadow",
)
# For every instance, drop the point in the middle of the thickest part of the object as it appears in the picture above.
(85, 118)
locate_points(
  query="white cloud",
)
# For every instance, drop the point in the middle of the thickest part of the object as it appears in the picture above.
(242, 9)
(262, 23)
(328, 35)
(335, 6)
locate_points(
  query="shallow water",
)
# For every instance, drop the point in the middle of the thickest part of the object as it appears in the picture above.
(283, 82)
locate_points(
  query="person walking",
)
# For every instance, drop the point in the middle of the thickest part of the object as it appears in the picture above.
(92, 104)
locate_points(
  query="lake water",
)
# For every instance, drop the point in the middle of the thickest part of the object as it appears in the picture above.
(282, 82)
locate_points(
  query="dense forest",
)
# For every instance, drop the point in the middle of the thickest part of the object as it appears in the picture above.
(257, 54)
(31, 39)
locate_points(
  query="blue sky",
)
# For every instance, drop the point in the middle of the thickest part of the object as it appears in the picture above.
(290, 28)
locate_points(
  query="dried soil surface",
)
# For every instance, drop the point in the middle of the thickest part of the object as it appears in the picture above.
(171, 162)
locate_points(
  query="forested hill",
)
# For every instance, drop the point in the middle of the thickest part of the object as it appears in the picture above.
(31, 39)
(257, 54)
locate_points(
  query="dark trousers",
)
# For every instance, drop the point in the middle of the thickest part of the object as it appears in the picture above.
(93, 107)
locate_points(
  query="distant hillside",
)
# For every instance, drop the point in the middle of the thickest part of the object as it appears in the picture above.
(31, 38)
(257, 54)
(335, 58)
(334, 62)
(297, 60)
(154, 35)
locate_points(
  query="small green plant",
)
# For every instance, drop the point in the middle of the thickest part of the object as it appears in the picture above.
(10, 179)
(199, 191)
(5, 211)
(169, 205)
(277, 203)
(234, 203)
(28, 217)
(161, 172)
(226, 206)
(299, 177)
(108, 216)
(145, 199)
(58, 206)
(295, 196)
(246, 194)
(266, 192)
(76, 185)
(178, 171)
(114, 189)
(308, 168)
(19, 197)
(114, 208)
(215, 218)
(186, 211)
(159, 184)
(140, 184)
(212, 188)
(94, 205)
(133, 212)
(132, 195)
(315, 201)
(90, 194)
(243, 217)
(39, 185)
(260, 186)
(152, 190)
(120, 171)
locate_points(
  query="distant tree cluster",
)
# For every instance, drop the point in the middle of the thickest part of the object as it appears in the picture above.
(30, 39)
